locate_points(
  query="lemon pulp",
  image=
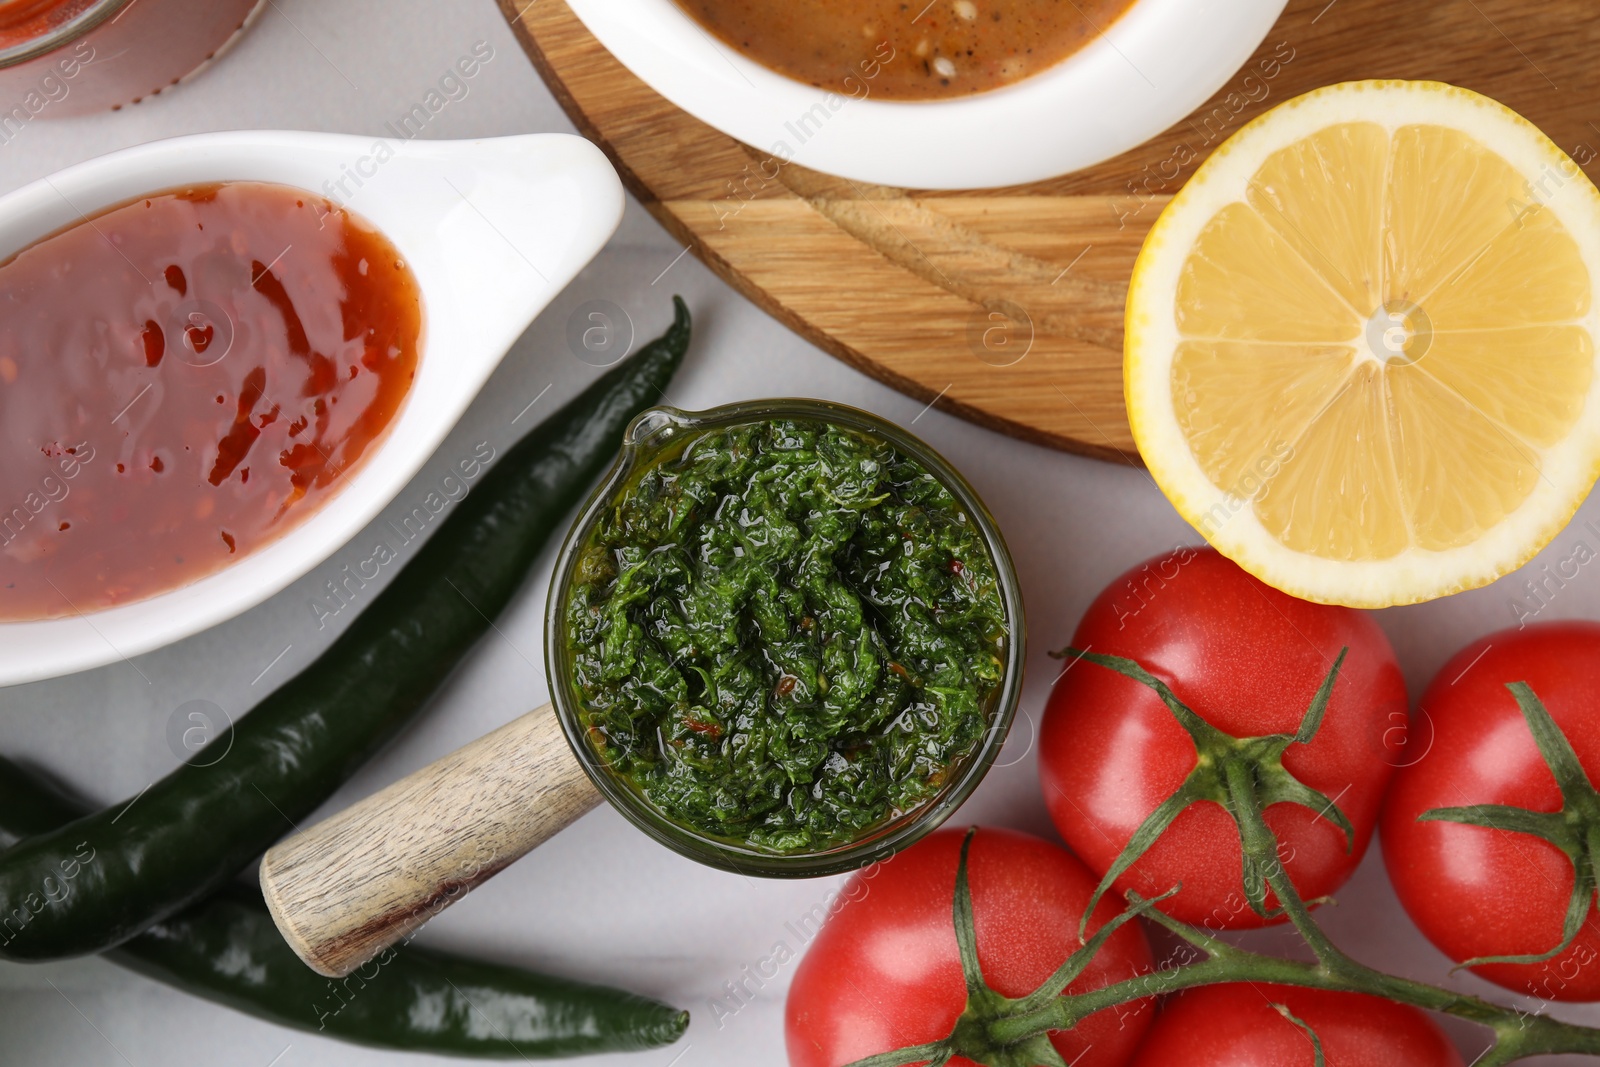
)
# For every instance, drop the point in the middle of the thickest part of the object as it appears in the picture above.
(1378, 335)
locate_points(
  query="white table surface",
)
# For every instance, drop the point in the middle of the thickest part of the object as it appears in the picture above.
(600, 901)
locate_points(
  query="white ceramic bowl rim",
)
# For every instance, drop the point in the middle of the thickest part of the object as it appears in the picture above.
(1153, 66)
(493, 229)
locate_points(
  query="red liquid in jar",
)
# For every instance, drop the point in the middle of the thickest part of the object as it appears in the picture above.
(101, 54)
(183, 379)
(24, 20)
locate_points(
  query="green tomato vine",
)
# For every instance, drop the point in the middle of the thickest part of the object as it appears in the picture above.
(1245, 775)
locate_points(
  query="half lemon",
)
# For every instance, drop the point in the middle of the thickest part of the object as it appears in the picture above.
(1360, 353)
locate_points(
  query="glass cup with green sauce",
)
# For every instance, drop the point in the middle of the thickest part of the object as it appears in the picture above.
(784, 637)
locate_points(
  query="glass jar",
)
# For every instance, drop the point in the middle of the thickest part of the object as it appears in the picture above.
(75, 57)
(658, 428)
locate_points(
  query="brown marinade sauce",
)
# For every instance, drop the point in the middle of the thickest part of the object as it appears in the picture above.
(907, 49)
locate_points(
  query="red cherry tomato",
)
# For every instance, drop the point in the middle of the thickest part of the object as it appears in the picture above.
(884, 972)
(1247, 659)
(1237, 1026)
(1480, 892)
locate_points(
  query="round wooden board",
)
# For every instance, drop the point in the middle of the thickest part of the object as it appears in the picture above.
(1005, 305)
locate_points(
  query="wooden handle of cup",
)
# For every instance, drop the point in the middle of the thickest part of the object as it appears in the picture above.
(354, 884)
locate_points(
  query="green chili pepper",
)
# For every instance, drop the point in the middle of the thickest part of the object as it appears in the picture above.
(226, 949)
(119, 871)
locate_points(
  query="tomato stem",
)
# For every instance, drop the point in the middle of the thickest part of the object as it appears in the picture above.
(1575, 829)
(1000, 1031)
(1237, 773)
(1320, 1059)
(1517, 1033)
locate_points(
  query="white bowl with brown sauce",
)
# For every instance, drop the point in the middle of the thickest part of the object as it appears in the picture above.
(486, 231)
(1004, 116)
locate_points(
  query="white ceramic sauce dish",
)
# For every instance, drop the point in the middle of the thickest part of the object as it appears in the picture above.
(1154, 65)
(492, 229)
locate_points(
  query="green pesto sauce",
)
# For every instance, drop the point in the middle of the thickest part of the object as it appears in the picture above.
(785, 633)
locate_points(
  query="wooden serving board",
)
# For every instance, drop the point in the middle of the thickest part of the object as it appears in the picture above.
(938, 294)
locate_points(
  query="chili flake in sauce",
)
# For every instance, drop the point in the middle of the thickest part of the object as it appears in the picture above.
(785, 633)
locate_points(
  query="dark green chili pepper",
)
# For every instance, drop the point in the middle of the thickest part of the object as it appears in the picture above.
(101, 879)
(225, 949)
